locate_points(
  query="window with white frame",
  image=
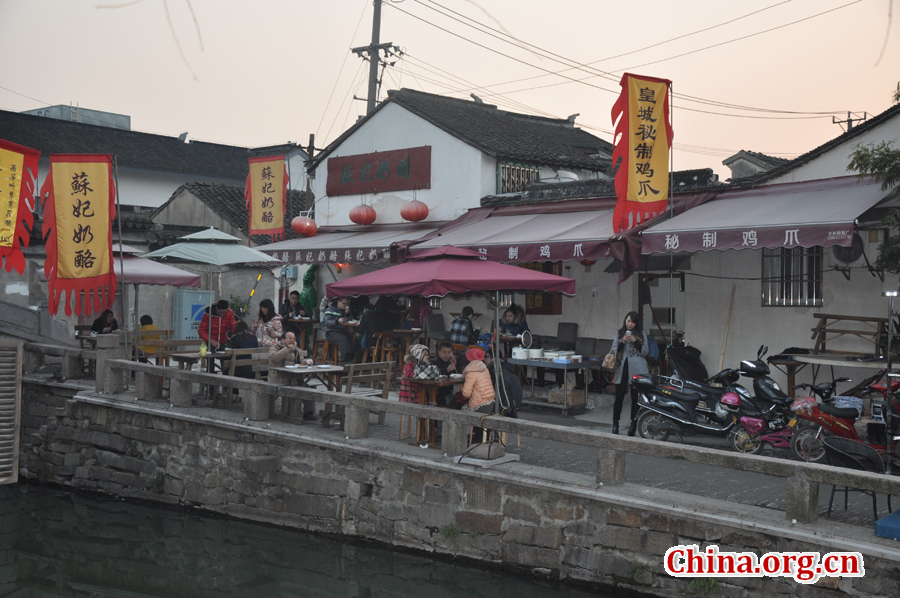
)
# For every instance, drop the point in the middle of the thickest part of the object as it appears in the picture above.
(792, 277)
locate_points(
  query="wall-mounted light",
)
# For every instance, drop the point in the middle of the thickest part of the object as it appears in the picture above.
(889, 293)
(339, 267)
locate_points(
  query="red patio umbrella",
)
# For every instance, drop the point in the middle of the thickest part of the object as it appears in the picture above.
(453, 271)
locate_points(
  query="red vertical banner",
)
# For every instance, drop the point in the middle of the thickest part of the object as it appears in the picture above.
(78, 216)
(642, 139)
(18, 182)
(266, 195)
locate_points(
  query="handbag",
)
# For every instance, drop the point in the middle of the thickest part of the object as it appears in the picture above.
(610, 362)
(426, 371)
(485, 450)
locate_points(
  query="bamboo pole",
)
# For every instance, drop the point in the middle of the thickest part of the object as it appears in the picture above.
(727, 327)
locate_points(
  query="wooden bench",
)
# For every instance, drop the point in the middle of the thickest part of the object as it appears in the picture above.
(166, 348)
(872, 330)
(144, 339)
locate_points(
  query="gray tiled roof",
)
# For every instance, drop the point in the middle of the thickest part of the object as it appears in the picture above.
(500, 134)
(787, 166)
(686, 181)
(133, 149)
(227, 201)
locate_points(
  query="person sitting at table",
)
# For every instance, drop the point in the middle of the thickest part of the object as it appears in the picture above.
(215, 329)
(267, 324)
(418, 310)
(477, 393)
(513, 321)
(106, 323)
(461, 330)
(377, 318)
(335, 333)
(511, 391)
(409, 390)
(286, 353)
(290, 310)
(242, 339)
(446, 362)
(146, 346)
(357, 306)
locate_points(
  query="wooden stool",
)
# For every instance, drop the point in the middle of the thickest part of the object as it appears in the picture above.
(330, 352)
(391, 348)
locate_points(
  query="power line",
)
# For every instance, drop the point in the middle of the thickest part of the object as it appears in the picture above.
(745, 36)
(25, 96)
(598, 72)
(338, 78)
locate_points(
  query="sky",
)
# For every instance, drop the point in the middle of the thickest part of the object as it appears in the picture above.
(761, 75)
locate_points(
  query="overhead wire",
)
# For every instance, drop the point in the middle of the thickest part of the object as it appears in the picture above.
(597, 72)
(338, 78)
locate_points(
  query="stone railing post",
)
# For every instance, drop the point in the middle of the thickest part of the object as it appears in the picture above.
(147, 386)
(72, 366)
(610, 467)
(454, 438)
(802, 500)
(109, 346)
(256, 405)
(32, 361)
(180, 392)
(356, 422)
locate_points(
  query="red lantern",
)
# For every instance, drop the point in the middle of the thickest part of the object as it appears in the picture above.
(304, 225)
(363, 214)
(414, 211)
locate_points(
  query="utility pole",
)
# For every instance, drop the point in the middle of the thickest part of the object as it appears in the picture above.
(373, 51)
(850, 120)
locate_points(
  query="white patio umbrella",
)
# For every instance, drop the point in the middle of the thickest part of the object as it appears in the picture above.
(212, 247)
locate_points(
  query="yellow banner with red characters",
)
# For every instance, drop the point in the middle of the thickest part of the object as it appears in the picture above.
(18, 182)
(78, 213)
(266, 195)
(643, 138)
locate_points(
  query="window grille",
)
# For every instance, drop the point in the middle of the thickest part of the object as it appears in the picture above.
(515, 177)
(792, 277)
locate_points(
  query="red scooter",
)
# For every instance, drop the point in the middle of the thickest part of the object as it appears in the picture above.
(822, 419)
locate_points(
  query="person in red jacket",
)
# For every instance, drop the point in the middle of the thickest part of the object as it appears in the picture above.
(222, 325)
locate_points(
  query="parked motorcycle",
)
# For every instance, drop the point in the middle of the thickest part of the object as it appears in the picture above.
(766, 417)
(825, 419)
(681, 406)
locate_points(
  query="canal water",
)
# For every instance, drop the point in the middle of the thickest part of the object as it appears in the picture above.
(57, 543)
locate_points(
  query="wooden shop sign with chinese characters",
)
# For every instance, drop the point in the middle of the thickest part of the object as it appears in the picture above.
(266, 195)
(380, 172)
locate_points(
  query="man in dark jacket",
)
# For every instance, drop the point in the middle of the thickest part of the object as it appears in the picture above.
(333, 321)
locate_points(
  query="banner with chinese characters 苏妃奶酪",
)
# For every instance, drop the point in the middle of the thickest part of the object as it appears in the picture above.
(78, 214)
(18, 182)
(266, 195)
(643, 137)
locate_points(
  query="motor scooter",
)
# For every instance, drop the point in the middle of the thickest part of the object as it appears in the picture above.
(681, 407)
(824, 419)
(765, 418)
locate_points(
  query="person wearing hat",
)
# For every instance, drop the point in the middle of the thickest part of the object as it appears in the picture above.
(409, 390)
(477, 387)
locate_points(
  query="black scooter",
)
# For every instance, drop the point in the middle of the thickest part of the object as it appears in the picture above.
(682, 406)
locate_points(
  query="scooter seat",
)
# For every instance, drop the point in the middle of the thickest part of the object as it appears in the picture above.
(688, 396)
(706, 388)
(842, 412)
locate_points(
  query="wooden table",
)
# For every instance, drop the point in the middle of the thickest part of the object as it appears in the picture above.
(798, 362)
(329, 375)
(408, 336)
(186, 361)
(301, 325)
(872, 330)
(428, 396)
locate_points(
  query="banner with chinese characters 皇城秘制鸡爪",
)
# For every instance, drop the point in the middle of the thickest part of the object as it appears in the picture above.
(18, 182)
(643, 137)
(78, 214)
(266, 195)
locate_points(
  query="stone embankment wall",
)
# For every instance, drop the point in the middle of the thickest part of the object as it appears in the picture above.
(573, 532)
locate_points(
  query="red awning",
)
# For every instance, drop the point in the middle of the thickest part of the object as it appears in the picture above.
(821, 212)
(563, 232)
(450, 275)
